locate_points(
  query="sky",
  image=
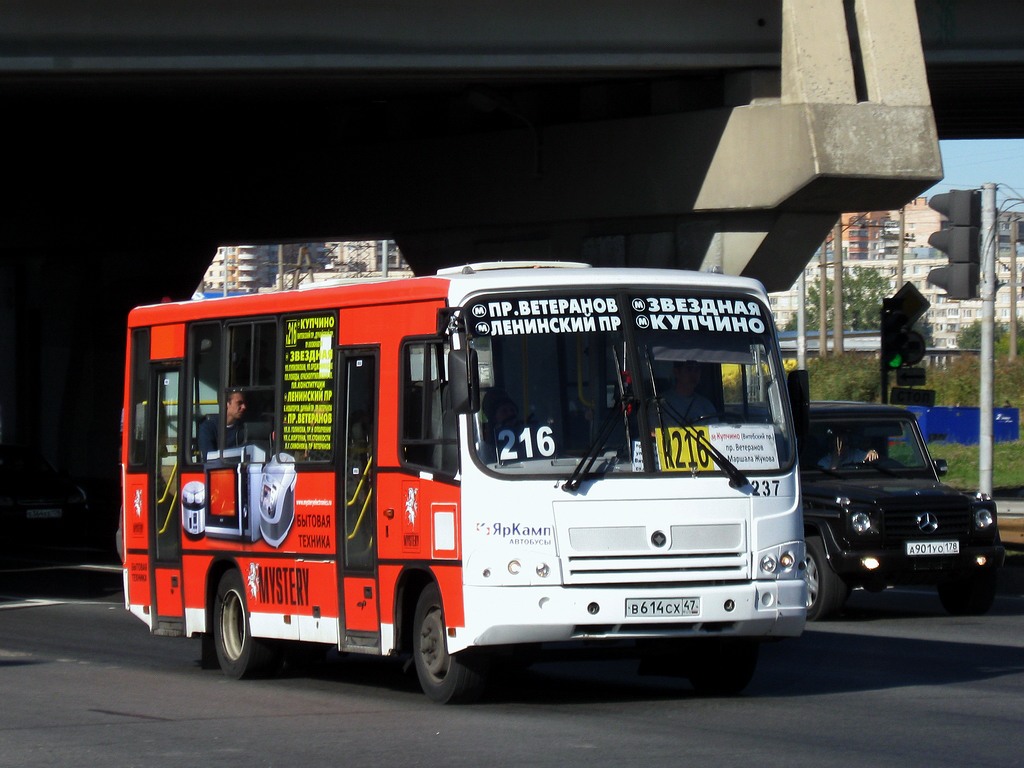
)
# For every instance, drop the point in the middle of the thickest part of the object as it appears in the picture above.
(968, 164)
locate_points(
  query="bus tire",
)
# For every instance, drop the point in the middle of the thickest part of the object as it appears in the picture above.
(826, 592)
(238, 652)
(445, 678)
(971, 596)
(723, 667)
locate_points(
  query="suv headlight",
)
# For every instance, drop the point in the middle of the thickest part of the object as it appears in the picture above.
(863, 522)
(860, 522)
(983, 518)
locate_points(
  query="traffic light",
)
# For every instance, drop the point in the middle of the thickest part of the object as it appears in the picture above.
(901, 345)
(959, 241)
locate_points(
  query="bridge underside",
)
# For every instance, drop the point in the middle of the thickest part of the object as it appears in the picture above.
(693, 135)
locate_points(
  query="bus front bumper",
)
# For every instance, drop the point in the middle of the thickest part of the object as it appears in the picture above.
(515, 615)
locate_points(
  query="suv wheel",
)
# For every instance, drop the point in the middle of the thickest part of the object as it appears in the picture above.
(972, 596)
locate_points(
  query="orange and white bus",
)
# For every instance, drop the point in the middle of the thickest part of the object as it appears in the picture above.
(451, 468)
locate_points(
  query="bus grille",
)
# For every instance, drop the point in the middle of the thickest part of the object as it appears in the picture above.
(634, 554)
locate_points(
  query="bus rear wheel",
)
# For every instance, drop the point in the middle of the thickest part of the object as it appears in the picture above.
(445, 678)
(238, 652)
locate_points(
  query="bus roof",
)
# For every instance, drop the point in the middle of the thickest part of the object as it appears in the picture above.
(453, 285)
(470, 280)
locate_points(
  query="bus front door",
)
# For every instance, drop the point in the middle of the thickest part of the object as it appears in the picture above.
(166, 523)
(357, 491)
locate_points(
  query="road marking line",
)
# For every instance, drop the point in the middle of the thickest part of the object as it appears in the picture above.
(28, 604)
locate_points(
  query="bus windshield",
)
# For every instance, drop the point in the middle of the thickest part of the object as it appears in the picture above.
(676, 381)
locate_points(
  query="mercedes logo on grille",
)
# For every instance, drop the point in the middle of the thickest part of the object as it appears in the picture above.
(927, 522)
(659, 539)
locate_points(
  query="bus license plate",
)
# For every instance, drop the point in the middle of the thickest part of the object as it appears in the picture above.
(924, 548)
(672, 607)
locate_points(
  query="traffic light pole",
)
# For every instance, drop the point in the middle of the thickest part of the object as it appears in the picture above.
(987, 362)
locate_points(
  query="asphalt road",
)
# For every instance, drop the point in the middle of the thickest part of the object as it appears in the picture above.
(893, 682)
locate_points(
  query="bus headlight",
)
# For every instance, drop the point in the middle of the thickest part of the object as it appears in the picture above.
(780, 562)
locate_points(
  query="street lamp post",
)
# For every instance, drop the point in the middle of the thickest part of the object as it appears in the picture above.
(1014, 228)
(838, 345)
(986, 363)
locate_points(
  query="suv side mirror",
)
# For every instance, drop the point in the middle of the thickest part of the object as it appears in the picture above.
(940, 466)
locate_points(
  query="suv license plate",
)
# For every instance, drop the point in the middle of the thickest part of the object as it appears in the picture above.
(672, 607)
(924, 548)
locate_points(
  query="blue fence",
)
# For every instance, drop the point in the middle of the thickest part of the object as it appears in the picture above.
(963, 425)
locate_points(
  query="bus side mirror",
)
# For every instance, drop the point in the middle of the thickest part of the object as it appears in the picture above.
(800, 401)
(463, 385)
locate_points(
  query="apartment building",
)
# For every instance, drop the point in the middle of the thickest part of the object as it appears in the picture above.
(258, 268)
(871, 240)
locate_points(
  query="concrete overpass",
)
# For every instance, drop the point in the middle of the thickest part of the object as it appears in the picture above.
(685, 134)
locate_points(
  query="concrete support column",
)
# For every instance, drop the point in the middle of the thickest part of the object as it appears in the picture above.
(8, 350)
(817, 67)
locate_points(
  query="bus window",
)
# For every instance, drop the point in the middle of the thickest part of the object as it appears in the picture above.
(428, 432)
(139, 397)
(252, 354)
(205, 364)
(576, 387)
(360, 428)
(168, 528)
(252, 367)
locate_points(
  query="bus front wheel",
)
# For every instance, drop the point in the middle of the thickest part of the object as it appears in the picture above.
(238, 652)
(445, 678)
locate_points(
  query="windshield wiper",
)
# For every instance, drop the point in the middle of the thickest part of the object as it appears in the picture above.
(736, 477)
(623, 404)
(876, 466)
(827, 470)
(590, 457)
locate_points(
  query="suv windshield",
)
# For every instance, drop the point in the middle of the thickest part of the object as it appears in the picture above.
(628, 383)
(862, 444)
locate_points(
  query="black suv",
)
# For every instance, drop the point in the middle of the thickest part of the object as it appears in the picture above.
(876, 514)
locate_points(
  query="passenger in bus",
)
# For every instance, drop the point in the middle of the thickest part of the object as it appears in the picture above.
(234, 426)
(500, 410)
(684, 402)
(501, 413)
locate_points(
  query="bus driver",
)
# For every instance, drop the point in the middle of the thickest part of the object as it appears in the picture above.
(234, 428)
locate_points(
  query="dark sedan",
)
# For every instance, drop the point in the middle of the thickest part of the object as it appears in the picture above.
(34, 497)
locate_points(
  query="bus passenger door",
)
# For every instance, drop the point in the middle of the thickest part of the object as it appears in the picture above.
(357, 570)
(168, 598)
